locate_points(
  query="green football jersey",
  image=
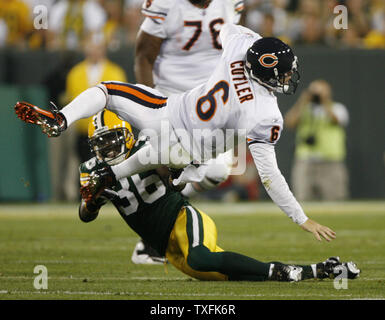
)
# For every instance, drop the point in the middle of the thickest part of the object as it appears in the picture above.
(146, 203)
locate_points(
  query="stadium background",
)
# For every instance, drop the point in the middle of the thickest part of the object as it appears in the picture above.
(352, 60)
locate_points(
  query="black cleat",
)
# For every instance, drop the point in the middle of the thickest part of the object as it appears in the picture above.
(333, 267)
(325, 269)
(350, 267)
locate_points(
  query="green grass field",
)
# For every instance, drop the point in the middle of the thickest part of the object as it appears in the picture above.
(92, 261)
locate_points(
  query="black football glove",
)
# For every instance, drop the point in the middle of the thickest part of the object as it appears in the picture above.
(100, 179)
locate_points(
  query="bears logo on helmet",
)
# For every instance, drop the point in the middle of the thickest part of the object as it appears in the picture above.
(272, 63)
(268, 56)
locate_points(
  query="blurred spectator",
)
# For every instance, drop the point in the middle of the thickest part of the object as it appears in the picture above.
(92, 70)
(115, 29)
(311, 22)
(269, 18)
(312, 31)
(305, 25)
(319, 170)
(304, 22)
(3, 33)
(267, 27)
(39, 37)
(375, 39)
(358, 24)
(358, 15)
(17, 24)
(71, 21)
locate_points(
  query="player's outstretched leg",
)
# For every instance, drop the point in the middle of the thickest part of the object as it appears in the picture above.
(51, 122)
(193, 250)
(239, 267)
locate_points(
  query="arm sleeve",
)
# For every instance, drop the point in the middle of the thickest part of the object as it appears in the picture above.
(94, 16)
(274, 182)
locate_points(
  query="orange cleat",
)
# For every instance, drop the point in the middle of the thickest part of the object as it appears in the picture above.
(52, 122)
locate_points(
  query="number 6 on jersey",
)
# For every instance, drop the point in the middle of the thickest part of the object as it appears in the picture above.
(207, 105)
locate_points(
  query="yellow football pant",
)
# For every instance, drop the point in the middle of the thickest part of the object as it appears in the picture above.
(192, 228)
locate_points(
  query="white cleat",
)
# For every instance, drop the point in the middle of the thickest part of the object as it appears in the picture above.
(145, 255)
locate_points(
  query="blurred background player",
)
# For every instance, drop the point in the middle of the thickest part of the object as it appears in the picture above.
(177, 49)
(319, 171)
(169, 223)
(72, 21)
(15, 23)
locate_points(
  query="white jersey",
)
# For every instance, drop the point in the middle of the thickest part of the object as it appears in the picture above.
(228, 100)
(191, 46)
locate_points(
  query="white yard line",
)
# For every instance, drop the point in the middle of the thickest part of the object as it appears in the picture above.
(160, 294)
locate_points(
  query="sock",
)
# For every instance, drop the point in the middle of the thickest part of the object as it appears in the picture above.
(236, 266)
(240, 267)
(85, 105)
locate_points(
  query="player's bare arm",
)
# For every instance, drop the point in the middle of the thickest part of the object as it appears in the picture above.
(147, 49)
(318, 230)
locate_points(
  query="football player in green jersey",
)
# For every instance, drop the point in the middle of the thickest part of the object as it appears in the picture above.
(165, 219)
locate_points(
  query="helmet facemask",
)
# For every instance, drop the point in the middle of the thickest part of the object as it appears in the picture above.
(278, 83)
(111, 146)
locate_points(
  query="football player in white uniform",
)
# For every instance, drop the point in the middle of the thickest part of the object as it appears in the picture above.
(178, 43)
(239, 95)
(177, 48)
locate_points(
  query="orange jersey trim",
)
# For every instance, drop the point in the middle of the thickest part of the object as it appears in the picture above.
(135, 93)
